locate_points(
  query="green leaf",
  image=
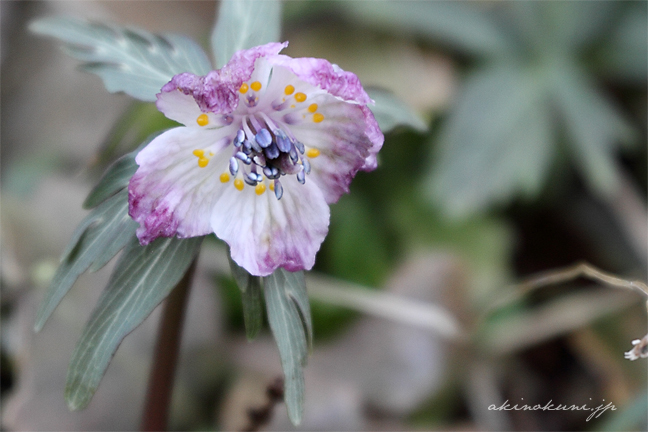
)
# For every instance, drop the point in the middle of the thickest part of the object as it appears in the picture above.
(289, 317)
(244, 24)
(101, 235)
(251, 295)
(624, 54)
(114, 179)
(391, 111)
(129, 60)
(143, 277)
(460, 25)
(497, 142)
(595, 126)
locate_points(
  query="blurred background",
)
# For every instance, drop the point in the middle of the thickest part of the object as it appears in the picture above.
(532, 158)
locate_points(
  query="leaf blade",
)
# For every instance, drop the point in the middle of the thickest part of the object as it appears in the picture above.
(284, 296)
(243, 24)
(497, 142)
(391, 111)
(143, 277)
(106, 230)
(129, 60)
(251, 297)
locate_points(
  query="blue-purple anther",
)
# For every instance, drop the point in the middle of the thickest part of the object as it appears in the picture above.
(274, 152)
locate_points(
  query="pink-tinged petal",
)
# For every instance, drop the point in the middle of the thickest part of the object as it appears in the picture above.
(265, 233)
(170, 194)
(376, 137)
(183, 108)
(217, 92)
(330, 77)
(241, 65)
(340, 139)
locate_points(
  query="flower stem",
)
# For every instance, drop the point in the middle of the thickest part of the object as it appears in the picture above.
(160, 386)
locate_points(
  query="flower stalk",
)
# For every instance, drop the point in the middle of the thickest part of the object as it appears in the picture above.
(165, 357)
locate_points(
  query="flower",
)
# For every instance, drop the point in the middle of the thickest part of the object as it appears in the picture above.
(268, 142)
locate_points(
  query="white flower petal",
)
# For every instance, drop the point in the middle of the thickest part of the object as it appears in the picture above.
(170, 193)
(265, 233)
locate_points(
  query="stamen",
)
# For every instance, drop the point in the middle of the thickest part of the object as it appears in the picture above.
(233, 166)
(271, 186)
(289, 90)
(244, 88)
(300, 97)
(307, 166)
(243, 157)
(198, 153)
(312, 108)
(224, 178)
(318, 117)
(312, 153)
(300, 146)
(271, 172)
(294, 157)
(260, 188)
(256, 86)
(202, 120)
(238, 184)
(249, 180)
(239, 138)
(272, 151)
(264, 138)
(283, 142)
(301, 177)
(278, 189)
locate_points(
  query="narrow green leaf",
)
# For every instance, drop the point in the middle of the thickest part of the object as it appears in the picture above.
(391, 111)
(105, 231)
(253, 308)
(129, 60)
(289, 318)
(496, 143)
(143, 277)
(251, 295)
(244, 24)
(114, 179)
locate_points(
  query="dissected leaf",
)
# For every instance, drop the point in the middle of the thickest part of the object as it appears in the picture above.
(129, 60)
(460, 25)
(244, 24)
(497, 142)
(251, 295)
(391, 111)
(594, 126)
(104, 232)
(142, 278)
(289, 317)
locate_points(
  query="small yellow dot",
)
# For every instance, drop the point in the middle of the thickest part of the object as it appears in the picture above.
(317, 117)
(225, 177)
(198, 153)
(202, 120)
(272, 186)
(312, 153)
(202, 162)
(300, 97)
(289, 89)
(260, 188)
(292, 106)
(244, 88)
(238, 184)
(312, 108)
(256, 86)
